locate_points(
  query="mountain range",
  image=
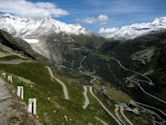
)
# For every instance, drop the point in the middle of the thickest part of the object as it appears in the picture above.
(81, 78)
(31, 29)
(134, 30)
(34, 28)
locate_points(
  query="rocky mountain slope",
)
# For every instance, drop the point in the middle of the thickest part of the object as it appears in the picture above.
(145, 55)
(21, 46)
(12, 109)
(134, 30)
(48, 37)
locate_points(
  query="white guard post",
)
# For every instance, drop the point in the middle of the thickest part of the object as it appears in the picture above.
(4, 75)
(20, 92)
(32, 105)
(10, 79)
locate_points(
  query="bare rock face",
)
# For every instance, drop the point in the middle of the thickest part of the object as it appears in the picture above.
(13, 110)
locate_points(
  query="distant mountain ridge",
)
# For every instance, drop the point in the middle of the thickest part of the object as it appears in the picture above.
(28, 27)
(31, 29)
(134, 30)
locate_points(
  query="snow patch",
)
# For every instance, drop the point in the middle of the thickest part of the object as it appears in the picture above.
(26, 27)
(32, 40)
(134, 30)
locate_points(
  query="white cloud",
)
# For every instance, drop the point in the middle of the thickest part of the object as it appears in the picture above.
(107, 30)
(30, 9)
(101, 18)
(90, 20)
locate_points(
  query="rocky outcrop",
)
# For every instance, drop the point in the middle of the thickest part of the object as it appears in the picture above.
(12, 109)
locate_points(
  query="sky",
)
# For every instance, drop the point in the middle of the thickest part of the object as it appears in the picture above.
(92, 14)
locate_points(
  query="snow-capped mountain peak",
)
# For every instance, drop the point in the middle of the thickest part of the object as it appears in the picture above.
(35, 31)
(134, 30)
(27, 27)
(159, 21)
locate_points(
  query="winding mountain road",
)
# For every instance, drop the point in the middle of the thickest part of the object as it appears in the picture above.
(117, 108)
(124, 116)
(150, 111)
(138, 84)
(81, 62)
(64, 87)
(86, 102)
(148, 79)
(148, 106)
(14, 61)
(104, 107)
(100, 120)
(142, 89)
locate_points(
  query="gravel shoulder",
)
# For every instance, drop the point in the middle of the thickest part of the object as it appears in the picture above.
(12, 109)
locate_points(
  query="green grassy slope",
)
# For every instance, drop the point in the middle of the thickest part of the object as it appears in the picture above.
(51, 105)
